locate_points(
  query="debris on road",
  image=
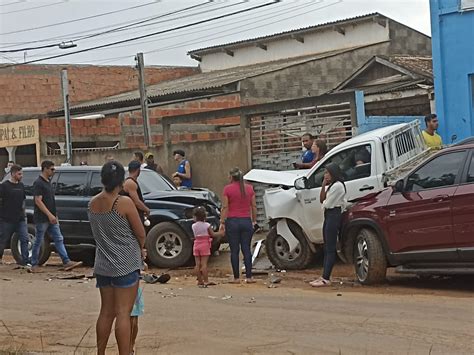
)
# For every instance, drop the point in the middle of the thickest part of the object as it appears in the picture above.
(274, 279)
(226, 297)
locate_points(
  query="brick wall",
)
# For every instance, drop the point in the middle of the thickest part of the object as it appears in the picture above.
(132, 122)
(36, 89)
(127, 127)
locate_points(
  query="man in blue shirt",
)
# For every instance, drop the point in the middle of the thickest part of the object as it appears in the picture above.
(308, 156)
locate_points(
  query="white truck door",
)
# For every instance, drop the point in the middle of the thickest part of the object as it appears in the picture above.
(357, 163)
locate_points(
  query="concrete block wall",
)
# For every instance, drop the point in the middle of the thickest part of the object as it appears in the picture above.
(210, 161)
(311, 78)
(36, 89)
(321, 76)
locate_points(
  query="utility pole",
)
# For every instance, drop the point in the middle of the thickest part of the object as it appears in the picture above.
(143, 98)
(67, 115)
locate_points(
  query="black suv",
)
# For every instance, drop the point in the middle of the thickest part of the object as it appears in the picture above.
(169, 238)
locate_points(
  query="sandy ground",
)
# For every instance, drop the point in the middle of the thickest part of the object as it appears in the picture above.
(42, 313)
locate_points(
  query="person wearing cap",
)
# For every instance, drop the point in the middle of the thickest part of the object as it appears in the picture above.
(150, 163)
(132, 189)
(184, 168)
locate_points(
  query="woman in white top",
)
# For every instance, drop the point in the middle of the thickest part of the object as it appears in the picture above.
(333, 199)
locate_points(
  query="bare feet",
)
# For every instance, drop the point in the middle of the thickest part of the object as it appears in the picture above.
(250, 281)
(235, 281)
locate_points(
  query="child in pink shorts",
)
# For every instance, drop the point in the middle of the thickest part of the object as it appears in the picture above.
(203, 235)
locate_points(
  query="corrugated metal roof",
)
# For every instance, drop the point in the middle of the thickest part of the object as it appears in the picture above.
(285, 33)
(206, 81)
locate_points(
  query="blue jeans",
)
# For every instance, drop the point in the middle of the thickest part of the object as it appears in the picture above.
(331, 226)
(55, 232)
(239, 233)
(7, 229)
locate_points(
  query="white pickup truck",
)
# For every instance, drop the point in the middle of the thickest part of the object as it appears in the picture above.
(293, 209)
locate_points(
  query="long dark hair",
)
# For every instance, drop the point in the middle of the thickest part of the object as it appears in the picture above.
(323, 148)
(112, 175)
(336, 174)
(237, 175)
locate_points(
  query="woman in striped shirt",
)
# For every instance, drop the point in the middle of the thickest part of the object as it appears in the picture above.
(120, 237)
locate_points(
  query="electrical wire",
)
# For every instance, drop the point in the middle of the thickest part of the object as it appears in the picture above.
(78, 19)
(148, 35)
(111, 30)
(12, 3)
(31, 8)
(187, 32)
(211, 37)
(106, 33)
(267, 15)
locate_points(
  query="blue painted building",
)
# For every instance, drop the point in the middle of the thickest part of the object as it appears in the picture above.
(452, 27)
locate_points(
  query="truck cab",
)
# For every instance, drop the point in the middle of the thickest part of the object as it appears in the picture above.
(293, 209)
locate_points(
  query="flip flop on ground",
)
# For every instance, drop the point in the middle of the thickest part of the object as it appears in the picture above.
(71, 265)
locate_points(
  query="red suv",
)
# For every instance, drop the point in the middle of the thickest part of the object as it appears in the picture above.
(422, 224)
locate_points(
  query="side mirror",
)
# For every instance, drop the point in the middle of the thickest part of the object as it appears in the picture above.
(453, 138)
(399, 186)
(300, 184)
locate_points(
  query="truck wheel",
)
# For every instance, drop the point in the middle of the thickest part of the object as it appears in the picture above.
(369, 259)
(168, 246)
(45, 250)
(278, 251)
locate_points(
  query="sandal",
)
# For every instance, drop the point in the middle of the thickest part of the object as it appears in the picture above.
(320, 283)
(250, 281)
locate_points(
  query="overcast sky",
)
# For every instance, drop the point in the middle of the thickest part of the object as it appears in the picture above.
(20, 19)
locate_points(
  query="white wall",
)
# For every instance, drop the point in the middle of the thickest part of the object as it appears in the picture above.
(365, 33)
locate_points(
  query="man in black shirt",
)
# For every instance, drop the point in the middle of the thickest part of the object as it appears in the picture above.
(45, 218)
(132, 189)
(12, 213)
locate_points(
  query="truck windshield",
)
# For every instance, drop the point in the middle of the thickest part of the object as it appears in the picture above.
(151, 181)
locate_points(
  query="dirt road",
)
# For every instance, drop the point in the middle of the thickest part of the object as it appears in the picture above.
(43, 314)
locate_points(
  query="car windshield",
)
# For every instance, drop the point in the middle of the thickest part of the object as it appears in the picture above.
(151, 181)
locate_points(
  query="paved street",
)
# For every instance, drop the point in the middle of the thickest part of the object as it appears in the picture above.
(41, 313)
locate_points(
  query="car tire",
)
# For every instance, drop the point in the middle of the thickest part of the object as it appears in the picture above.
(278, 251)
(45, 250)
(369, 259)
(168, 246)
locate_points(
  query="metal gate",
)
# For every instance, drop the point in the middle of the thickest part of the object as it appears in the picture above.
(276, 137)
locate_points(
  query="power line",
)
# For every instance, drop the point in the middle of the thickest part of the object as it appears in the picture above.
(129, 24)
(265, 16)
(111, 30)
(148, 35)
(133, 26)
(183, 44)
(12, 3)
(196, 31)
(78, 19)
(31, 8)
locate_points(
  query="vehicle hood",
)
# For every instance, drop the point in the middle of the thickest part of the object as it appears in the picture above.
(272, 177)
(187, 197)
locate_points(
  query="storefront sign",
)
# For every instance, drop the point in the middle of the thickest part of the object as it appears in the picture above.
(19, 133)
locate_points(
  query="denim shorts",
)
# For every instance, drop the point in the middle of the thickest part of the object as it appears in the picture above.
(125, 281)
